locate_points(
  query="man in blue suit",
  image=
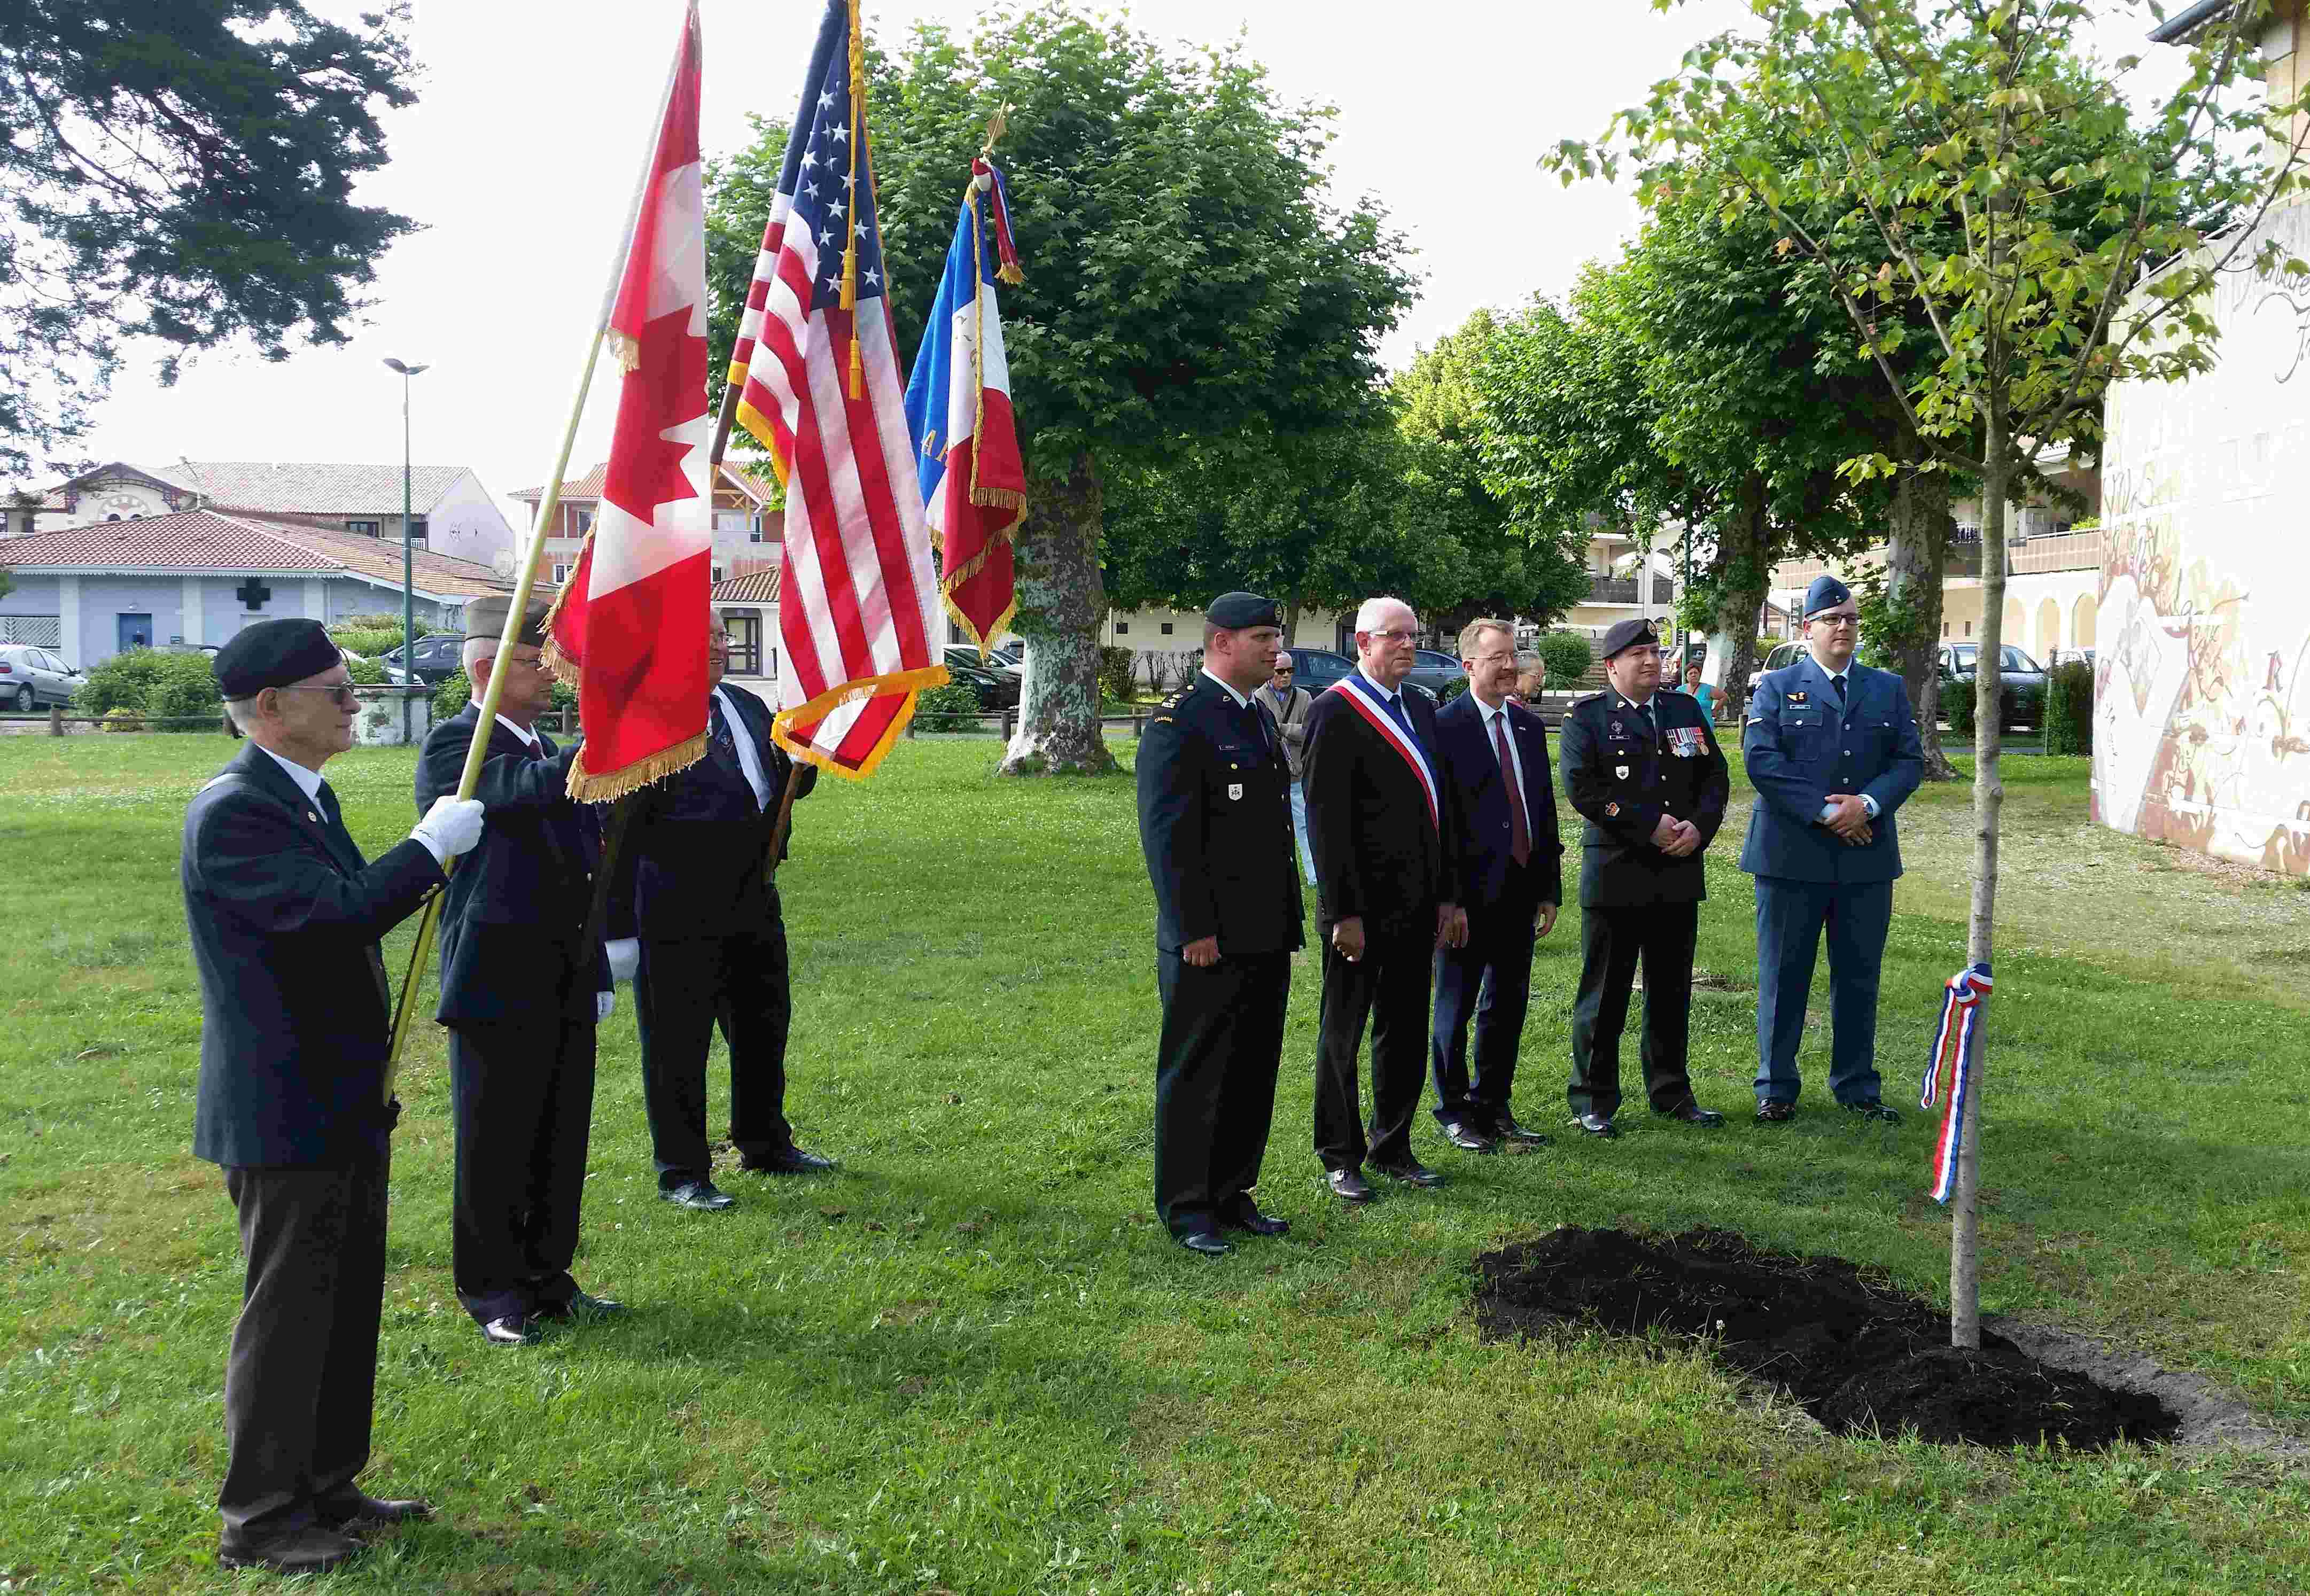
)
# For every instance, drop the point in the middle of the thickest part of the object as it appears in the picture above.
(1495, 752)
(1832, 748)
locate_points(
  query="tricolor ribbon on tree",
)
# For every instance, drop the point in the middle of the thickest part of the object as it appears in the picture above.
(974, 485)
(1950, 1072)
(629, 629)
(816, 373)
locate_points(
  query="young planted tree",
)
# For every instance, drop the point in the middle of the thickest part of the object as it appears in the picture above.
(1899, 146)
(182, 173)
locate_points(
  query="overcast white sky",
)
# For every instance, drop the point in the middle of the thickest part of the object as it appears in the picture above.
(520, 155)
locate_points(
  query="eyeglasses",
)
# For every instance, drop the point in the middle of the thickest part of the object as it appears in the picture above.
(1836, 620)
(1394, 637)
(1284, 672)
(343, 697)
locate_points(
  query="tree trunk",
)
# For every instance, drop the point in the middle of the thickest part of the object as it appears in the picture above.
(1061, 600)
(1292, 608)
(1988, 798)
(1913, 557)
(1746, 575)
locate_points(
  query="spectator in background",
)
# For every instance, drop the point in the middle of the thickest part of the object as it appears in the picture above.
(1290, 706)
(1701, 690)
(1532, 675)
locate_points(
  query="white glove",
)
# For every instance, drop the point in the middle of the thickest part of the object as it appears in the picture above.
(606, 1003)
(625, 958)
(451, 828)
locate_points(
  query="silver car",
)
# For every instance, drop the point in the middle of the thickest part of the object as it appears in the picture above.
(30, 677)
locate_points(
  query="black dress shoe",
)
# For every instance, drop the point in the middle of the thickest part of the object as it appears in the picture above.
(1776, 1114)
(580, 1307)
(1692, 1114)
(1467, 1138)
(1206, 1242)
(792, 1161)
(1869, 1108)
(1411, 1173)
(1507, 1129)
(1258, 1224)
(1595, 1124)
(701, 1195)
(511, 1330)
(310, 1550)
(365, 1509)
(1348, 1186)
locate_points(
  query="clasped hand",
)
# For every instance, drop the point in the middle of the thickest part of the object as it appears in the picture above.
(1849, 819)
(1675, 838)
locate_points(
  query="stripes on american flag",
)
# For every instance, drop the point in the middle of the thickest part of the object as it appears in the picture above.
(859, 609)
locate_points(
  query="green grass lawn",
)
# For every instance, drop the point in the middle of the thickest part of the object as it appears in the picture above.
(973, 1363)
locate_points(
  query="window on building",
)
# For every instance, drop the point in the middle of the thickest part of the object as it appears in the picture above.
(1122, 628)
(581, 521)
(1167, 628)
(716, 578)
(746, 629)
(1969, 628)
(754, 531)
(418, 531)
(561, 574)
(366, 529)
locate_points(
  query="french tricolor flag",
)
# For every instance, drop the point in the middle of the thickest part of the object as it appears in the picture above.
(958, 410)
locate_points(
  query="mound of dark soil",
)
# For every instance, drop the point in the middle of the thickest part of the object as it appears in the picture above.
(1859, 1356)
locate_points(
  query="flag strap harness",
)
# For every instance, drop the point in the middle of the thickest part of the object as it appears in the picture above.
(1359, 695)
(1949, 1070)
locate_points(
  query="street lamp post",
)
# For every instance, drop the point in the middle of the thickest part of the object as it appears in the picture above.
(408, 577)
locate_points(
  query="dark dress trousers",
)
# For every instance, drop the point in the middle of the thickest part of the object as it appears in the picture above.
(285, 917)
(1488, 980)
(1382, 854)
(1215, 825)
(1624, 767)
(694, 888)
(518, 979)
(1805, 741)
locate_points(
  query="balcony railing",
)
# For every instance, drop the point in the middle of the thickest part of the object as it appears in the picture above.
(1625, 590)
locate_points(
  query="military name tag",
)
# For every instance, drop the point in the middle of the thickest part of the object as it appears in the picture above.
(1235, 789)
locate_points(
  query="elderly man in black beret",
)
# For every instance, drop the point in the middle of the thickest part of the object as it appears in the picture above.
(1644, 768)
(525, 980)
(1215, 824)
(285, 916)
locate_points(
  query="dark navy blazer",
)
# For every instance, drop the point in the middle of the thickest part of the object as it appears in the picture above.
(1379, 856)
(285, 917)
(1472, 766)
(1215, 824)
(1801, 746)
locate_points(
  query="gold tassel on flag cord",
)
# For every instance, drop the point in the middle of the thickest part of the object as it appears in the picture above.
(850, 245)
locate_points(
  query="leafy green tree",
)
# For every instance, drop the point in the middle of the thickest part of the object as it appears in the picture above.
(1898, 146)
(1187, 278)
(182, 172)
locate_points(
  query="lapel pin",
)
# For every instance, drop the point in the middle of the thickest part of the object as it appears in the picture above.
(312, 817)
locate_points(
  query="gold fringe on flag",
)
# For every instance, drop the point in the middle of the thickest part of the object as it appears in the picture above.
(587, 788)
(909, 683)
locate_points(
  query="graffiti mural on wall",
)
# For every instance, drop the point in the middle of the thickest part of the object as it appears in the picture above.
(2202, 692)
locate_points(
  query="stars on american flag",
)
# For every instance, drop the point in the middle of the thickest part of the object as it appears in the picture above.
(830, 209)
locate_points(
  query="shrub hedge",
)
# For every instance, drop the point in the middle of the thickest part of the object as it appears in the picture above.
(1567, 656)
(2069, 708)
(145, 682)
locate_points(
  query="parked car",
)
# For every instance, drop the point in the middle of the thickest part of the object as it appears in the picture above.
(1434, 670)
(996, 690)
(1013, 655)
(967, 654)
(2022, 680)
(30, 677)
(438, 658)
(1785, 654)
(1316, 669)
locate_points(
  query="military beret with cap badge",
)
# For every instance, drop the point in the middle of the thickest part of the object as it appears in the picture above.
(1626, 635)
(274, 654)
(1234, 611)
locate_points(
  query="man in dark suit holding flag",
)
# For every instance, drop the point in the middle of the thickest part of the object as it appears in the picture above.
(696, 888)
(1832, 747)
(296, 1021)
(1215, 823)
(1385, 832)
(1494, 755)
(525, 981)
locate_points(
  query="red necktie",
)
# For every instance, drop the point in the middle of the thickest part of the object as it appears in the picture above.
(1519, 832)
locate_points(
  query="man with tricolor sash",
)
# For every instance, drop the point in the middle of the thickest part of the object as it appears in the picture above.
(1385, 830)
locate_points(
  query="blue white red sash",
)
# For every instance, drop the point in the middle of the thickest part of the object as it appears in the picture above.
(1950, 1072)
(1365, 700)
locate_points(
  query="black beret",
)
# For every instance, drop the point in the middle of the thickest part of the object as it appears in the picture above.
(1236, 610)
(1825, 594)
(274, 654)
(486, 617)
(1626, 635)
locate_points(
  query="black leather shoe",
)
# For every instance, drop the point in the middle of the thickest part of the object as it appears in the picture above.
(1467, 1138)
(1206, 1242)
(1776, 1114)
(511, 1330)
(1507, 1129)
(1595, 1124)
(793, 1161)
(1869, 1108)
(1251, 1221)
(1692, 1114)
(580, 1307)
(1411, 1174)
(701, 1195)
(310, 1550)
(365, 1509)
(1348, 1186)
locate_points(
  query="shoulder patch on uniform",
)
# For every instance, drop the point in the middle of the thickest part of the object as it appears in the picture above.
(1756, 720)
(1162, 720)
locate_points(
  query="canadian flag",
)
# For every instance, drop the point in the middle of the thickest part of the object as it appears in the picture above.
(629, 629)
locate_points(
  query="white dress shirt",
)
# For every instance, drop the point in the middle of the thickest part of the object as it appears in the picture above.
(750, 759)
(308, 782)
(1241, 702)
(1497, 716)
(528, 738)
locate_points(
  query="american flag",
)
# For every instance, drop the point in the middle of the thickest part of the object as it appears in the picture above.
(819, 385)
